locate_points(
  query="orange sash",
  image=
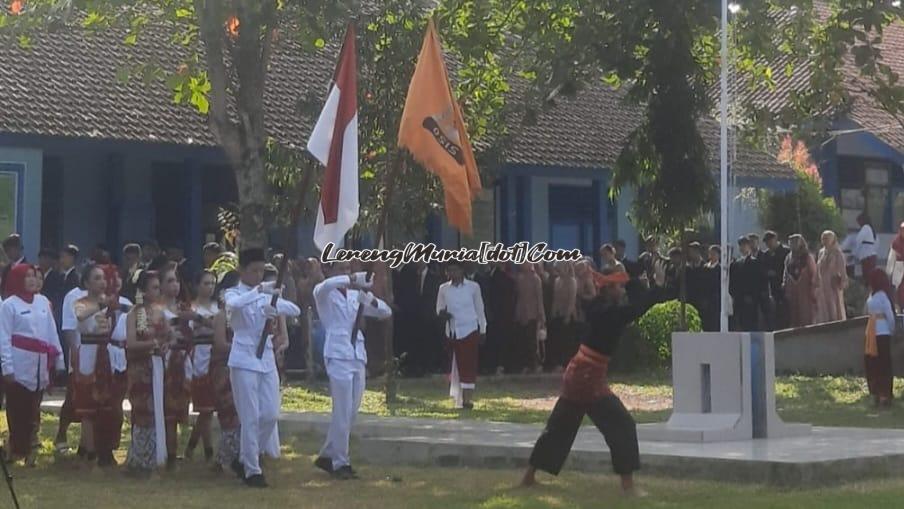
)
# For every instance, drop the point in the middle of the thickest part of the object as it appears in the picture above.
(869, 347)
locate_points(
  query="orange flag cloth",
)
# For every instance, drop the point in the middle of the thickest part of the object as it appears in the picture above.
(616, 277)
(434, 132)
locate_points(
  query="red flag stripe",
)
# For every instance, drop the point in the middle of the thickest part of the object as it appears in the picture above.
(346, 80)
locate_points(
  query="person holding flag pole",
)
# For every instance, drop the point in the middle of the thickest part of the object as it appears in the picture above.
(254, 380)
(341, 299)
(433, 130)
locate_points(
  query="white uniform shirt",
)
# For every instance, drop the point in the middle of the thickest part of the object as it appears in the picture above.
(70, 322)
(245, 306)
(118, 354)
(338, 312)
(35, 320)
(465, 303)
(866, 243)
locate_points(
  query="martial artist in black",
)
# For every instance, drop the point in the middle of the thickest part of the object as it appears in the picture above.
(585, 388)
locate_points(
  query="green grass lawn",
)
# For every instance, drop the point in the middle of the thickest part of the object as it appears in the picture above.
(822, 401)
(295, 483)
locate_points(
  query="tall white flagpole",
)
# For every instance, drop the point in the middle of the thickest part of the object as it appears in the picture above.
(723, 167)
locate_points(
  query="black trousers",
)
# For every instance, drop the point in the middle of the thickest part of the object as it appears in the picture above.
(498, 332)
(746, 314)
(608, 414)
(521, 349)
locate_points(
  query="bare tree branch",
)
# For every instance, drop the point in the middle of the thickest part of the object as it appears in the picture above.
(212, 34)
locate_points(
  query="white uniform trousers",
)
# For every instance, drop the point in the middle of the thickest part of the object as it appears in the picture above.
(256, 397)
(346, 389)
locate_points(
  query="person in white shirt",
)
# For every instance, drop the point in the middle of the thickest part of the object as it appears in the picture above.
(847, 247)
(865, 246)
(879, 374)
(70, 341)
(460, 305)
(30, 353)
(338, 298)
(255, 381)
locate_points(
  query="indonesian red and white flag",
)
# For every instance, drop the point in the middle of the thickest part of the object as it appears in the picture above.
(334, 142)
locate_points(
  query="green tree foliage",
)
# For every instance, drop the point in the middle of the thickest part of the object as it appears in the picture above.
(657, 325)
(803, 210)
(225, 49)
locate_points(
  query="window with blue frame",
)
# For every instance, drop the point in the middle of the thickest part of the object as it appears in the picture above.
(11, 189)
(874, 186)
(572, 220)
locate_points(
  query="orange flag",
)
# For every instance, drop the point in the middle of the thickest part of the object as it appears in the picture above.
(435, 133)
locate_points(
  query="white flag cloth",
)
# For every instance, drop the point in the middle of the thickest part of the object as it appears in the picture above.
(334, 142)
(157, 375)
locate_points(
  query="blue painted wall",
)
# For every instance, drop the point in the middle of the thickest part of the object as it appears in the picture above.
(29, 209)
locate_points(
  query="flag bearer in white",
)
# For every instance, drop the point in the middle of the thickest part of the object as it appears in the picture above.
(460, 305)
(338, 298)
(255, 382)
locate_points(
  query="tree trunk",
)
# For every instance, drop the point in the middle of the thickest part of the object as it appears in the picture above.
(242, 136)
(253, 193)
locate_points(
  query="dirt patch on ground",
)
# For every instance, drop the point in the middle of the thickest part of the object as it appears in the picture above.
(635, 399)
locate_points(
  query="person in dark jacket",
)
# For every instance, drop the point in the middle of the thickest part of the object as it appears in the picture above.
(12, 247)
(633, 268)
(711, 314)
(500, 311)
(773, 261)
(744, 286)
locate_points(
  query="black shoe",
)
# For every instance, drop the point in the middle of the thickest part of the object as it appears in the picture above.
(256, 481)
(238, 468)
(106, 460)
(467, 406)
(325, 464)
(208, 453)
(345, 473)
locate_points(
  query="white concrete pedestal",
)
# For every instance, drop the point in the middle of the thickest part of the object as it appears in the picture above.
(723, 388)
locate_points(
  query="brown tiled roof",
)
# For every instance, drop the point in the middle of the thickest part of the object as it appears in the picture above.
(589, 130)
(861, 109)
(66, 86)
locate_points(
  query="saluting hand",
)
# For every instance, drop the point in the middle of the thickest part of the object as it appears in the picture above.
(269, 311)
(270, 288)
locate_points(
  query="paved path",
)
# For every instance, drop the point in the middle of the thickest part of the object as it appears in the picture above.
(827, 456)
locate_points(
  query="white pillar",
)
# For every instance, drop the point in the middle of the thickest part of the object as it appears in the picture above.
(723, 165)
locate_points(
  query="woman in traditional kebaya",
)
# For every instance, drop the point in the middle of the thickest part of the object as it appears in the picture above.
(99, 363)
(178, 365)
(148, 341)
(202, 388)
